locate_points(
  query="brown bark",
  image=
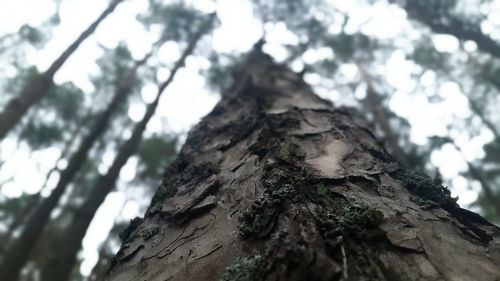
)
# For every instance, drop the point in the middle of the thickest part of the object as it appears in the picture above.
(59, 266)
(18, 252)
(276, 184)
(40, 85)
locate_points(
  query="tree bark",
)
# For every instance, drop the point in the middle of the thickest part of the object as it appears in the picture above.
(41, 84)
(277, 184)
(59, 267)
(19, 251)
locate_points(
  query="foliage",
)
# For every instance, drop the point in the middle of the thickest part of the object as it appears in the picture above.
(243, 269)
(155, 153)
(176, 20)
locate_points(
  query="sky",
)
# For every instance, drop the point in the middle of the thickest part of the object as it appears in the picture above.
(188, 99)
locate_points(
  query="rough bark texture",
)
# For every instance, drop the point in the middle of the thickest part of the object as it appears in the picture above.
(276, 184)
(41, 84)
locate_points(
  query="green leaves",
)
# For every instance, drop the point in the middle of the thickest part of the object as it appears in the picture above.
(345, 45)
(47, 125)
(114, 65)
(427, 56)
(33, 35)
(177, 20)
(155, 153)
(66, 100)
(39, 135)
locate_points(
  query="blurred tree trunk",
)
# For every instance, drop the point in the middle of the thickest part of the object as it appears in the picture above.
(276, 184)
(25, 211)
(59, 266)
(374, 103)
(18, 252)
(39, 87)
(19, 217)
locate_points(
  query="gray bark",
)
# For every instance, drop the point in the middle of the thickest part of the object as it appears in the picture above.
(277, 184)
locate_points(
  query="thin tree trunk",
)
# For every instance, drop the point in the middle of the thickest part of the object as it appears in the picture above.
(25, 212)
(67, 148)
(493, 128)
(60, 267)
(20, 217)
(373, 102)
(18, 252)
(276, 184)
(40, 85)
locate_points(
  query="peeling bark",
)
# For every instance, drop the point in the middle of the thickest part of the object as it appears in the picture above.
(277, 184)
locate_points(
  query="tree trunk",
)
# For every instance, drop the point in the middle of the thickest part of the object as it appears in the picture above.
(41, 84)
(276, 184)
(25, 211)
(18, 252)
(59, 267)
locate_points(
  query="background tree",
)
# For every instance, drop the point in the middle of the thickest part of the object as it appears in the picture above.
(40, 84)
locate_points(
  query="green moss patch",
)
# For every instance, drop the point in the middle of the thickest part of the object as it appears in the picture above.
(258, 220)
(290, 152)
(150, 232)
(244, 269)
(423, 186)
(351, 221)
